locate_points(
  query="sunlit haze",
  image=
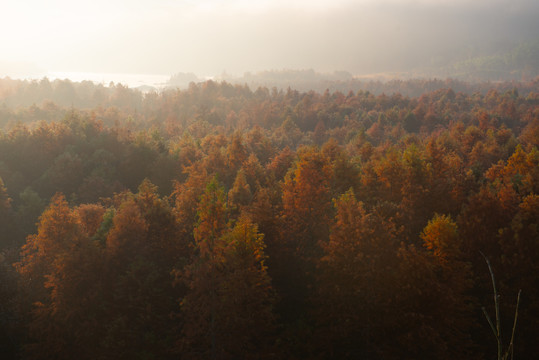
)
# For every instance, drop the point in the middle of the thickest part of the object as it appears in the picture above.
(209, 37)
(269, 179)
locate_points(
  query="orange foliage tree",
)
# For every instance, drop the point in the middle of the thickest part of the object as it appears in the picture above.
(228, 310)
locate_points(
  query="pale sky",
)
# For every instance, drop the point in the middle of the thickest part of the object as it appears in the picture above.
(208, 37)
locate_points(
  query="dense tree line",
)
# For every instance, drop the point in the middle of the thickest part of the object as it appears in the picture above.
(220, 222)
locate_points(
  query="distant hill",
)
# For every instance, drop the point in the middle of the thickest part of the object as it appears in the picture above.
(502, 62)
(519, 63)
(488, 62)
(182, 80)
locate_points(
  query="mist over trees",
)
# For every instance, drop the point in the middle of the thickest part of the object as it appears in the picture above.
(208, 37)
(472, 71)
(499, 62)
(225, 222)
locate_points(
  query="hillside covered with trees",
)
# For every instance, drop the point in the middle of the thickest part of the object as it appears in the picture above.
(223, 222)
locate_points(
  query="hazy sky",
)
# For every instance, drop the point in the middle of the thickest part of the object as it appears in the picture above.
(208, 37)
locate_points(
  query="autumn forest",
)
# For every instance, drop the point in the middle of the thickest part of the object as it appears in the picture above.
(227, 222)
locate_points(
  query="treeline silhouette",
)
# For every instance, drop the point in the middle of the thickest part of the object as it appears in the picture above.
(219, 222)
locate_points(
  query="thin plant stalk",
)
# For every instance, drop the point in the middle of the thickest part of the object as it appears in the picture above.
(497, 330)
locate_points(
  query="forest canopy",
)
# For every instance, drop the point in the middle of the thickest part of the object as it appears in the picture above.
(227, 222)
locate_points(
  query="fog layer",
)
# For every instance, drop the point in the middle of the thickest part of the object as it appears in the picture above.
(209, 37)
